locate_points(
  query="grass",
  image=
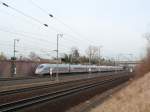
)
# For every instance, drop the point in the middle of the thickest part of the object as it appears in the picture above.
(136, 96)
(133, 98)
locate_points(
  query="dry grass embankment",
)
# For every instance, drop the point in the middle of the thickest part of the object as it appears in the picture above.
(136, 96)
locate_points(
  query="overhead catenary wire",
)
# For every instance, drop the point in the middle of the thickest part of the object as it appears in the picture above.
(37, 35)
(30, 17)
(28, 50)
(35, 38)
(6, 5)
(19, 18)
(60, 21)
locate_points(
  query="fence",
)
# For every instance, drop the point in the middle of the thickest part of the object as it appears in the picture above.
(24, 68)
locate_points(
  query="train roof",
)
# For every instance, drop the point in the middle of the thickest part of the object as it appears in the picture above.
(76, 65)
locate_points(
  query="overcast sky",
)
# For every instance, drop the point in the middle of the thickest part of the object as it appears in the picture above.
(117, 25)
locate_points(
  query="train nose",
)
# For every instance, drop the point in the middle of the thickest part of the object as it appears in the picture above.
(37, 71)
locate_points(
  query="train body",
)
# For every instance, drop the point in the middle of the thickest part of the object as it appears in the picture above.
(67, 68)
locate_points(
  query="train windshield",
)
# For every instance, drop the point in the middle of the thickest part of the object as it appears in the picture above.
(41, 66)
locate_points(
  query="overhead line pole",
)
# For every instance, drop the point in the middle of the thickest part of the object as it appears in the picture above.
(58, 35)
(14, 58)
(99, 54)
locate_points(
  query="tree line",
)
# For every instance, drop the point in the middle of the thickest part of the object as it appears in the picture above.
(91, 56)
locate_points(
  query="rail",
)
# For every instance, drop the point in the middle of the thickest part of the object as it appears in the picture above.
(12, 106)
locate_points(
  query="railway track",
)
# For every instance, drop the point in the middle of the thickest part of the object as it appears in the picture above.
(28, 80)
(32, 96)
(29, 89)
(33, 76)
(32, 91)
(17, 78)
(24, 83)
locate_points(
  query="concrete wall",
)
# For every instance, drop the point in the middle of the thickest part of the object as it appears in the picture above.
(24, 68)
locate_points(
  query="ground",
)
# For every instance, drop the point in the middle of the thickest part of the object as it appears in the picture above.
(133, 98)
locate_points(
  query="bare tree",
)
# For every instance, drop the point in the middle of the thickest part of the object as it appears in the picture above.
(2, 56)
(34, 57)
(92, 52)
(74, 55)
(147, 36)
(75, 52)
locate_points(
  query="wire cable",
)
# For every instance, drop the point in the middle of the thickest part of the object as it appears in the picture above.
(35, 38)
(8, 6)
(60, 21)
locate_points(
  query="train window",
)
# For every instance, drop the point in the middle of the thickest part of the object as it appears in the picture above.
(47, 68)
(41, 66)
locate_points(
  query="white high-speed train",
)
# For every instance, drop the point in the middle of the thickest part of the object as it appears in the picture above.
(67, 68)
